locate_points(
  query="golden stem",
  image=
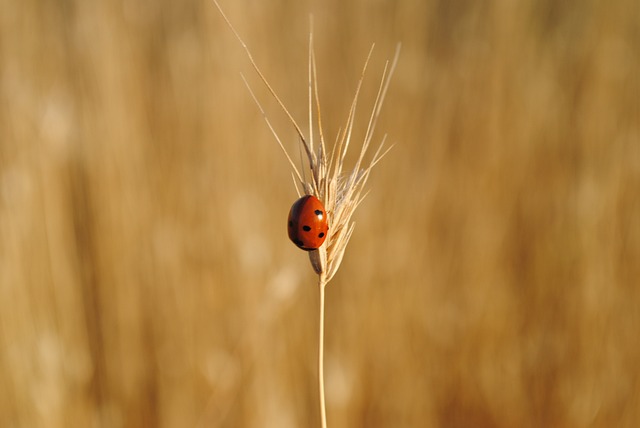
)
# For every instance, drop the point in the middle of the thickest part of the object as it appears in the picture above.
(323, 412)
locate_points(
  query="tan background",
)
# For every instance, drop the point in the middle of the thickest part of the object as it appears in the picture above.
(146, 278)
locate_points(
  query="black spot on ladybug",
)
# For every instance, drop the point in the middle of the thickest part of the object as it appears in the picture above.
(306, 228)
(300, 244)
(290, 223)
(321, 235)
(318, 213)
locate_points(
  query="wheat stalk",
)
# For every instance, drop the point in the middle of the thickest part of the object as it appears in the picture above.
(340, 190)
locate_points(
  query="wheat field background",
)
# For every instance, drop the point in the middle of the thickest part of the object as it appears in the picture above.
(146, 278)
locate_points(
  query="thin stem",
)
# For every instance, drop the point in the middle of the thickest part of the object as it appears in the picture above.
(323, 411)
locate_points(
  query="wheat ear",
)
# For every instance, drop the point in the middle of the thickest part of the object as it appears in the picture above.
(340, 191)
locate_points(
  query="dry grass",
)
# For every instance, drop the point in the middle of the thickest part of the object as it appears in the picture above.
(146, 278)
(323, 174)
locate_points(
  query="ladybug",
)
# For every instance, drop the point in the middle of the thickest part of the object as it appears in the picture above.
(307, 224)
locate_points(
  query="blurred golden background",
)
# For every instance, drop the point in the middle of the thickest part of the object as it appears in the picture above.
(146, 278)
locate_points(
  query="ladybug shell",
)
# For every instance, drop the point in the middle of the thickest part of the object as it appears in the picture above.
(307, 224)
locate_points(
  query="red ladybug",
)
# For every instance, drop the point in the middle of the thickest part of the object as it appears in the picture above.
(307, 223)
